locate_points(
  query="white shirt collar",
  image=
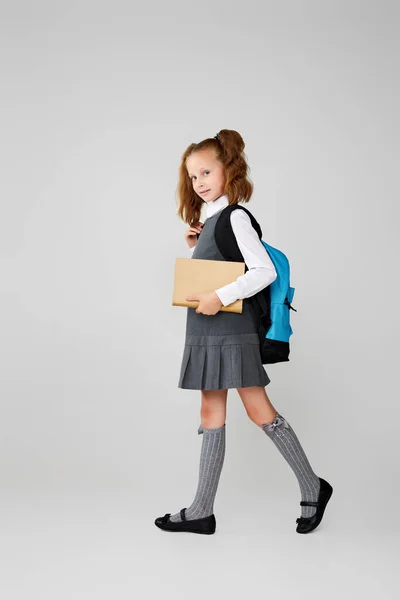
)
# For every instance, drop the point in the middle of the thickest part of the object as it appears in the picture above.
(218, 204)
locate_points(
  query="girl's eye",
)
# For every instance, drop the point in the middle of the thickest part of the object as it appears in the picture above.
(195, 175)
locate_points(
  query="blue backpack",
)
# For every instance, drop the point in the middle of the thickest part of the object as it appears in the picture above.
(272, 305)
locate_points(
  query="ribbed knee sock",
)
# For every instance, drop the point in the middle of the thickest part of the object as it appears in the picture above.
(289, 446)
(211, 461)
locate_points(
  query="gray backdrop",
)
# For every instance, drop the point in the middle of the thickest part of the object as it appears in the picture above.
(98, 102)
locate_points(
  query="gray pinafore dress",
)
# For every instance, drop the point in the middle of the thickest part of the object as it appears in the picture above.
(221, 351)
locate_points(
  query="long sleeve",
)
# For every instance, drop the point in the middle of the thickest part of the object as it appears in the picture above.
(261, 271)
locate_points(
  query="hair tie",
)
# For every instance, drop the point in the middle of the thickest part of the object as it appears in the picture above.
(217, 137)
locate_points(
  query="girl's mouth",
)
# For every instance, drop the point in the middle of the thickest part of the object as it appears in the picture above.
(206, 192)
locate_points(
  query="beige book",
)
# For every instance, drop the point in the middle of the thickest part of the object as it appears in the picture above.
(194, 276)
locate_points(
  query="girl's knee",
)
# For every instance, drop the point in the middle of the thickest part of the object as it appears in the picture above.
(213, 408)
(260, 418)
(212, 417)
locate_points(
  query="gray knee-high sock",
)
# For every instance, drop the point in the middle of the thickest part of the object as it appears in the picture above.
(289, 446)
(211, 461)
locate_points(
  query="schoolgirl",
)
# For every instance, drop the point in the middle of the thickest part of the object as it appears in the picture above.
(221, 348)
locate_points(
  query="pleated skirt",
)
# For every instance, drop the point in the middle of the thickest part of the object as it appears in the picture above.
(218, 362)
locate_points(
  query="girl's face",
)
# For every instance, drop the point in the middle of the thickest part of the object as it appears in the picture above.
(206, 174)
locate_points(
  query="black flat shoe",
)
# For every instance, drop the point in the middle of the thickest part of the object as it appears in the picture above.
(205, 525)
(307, 524)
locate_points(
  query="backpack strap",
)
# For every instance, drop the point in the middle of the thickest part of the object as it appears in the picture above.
(225, 238)
(226, 242)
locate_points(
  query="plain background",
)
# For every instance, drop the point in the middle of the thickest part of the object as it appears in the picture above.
(98, 102)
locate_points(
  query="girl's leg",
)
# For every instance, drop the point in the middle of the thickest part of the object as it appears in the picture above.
(263, 414)
(213, 415)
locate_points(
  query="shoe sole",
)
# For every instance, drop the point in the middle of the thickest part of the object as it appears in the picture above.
(187, 531)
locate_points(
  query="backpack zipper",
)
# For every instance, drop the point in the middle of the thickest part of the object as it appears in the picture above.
(288, 304)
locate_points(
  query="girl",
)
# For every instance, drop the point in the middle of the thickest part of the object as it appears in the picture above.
(222, 349)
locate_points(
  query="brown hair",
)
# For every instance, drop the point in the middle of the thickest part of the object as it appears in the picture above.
(229, 149)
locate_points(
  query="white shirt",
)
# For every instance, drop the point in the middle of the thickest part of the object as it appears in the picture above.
(261, 271)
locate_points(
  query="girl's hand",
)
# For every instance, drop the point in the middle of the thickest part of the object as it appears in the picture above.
(190, 234)
(209, 303)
